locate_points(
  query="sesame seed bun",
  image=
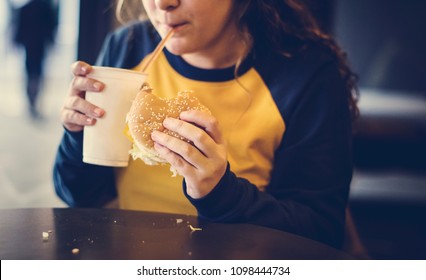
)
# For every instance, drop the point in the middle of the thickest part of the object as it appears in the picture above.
(147, 114)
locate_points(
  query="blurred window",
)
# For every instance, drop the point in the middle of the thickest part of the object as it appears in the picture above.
(385, 41)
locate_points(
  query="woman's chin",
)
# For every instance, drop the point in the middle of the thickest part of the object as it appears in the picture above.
(176, 50)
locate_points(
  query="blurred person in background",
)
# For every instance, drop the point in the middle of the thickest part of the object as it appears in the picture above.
(34, 28)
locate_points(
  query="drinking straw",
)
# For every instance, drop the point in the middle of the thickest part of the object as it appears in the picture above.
(157, 51)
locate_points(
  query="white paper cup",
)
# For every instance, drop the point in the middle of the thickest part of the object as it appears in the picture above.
(105, 142)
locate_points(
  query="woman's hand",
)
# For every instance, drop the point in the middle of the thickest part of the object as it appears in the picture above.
(77, 112)
(202, 164)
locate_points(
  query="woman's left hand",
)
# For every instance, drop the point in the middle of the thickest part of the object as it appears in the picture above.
(202, 164)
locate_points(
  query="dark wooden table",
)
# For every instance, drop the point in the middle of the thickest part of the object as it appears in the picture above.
(119, 234)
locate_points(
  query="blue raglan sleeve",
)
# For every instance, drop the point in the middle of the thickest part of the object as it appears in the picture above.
(79, 184)
(85, 185)
(309, 185)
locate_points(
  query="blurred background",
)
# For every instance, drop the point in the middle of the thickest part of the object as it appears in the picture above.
(386, 45)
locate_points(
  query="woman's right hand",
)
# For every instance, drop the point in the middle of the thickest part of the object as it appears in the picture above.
(77, 112)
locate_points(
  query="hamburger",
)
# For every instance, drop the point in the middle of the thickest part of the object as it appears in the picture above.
(147, 114)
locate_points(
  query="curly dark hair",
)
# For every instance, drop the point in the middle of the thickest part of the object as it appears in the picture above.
(283, 26)
(286, 27)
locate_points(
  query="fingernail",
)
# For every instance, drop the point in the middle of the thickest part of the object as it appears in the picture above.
(167, 121)
(83, 69)
(97, 85)
(98, 112)
(154, 135)
(89, 120)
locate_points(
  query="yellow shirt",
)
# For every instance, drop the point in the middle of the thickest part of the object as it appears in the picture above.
(247, 119)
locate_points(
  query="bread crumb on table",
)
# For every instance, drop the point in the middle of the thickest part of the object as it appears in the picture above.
(194, 228)
(45, 235)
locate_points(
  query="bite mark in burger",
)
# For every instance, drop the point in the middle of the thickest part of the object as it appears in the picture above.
(147, 114)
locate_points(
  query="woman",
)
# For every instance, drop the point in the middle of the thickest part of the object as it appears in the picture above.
(276, 149)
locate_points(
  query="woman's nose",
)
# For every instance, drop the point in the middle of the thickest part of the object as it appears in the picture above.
(166, 5)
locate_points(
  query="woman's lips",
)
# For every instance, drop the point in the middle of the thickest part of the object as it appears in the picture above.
(177, 26)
